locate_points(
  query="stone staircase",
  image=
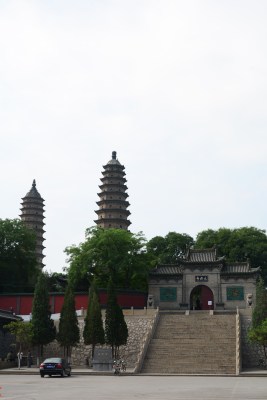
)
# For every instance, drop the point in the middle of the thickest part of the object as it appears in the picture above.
(198, 343)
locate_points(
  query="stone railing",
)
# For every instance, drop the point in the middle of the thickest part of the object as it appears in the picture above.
(145, 344)
(238, 343)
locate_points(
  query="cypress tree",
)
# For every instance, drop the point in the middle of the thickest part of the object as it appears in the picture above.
(116, 331)
(68, 331)
(122, 329)
(93, 332)
(44, 330)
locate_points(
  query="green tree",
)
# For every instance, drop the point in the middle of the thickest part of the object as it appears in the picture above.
(116, 331)
(17, 254)
(110, 252)
(57, 281)
(237, 245)
(259, 335)
(44, 330)
(68, 331)
(167, 250)
(259, 313)
(23, 333)
(93, 332)
(258, 331)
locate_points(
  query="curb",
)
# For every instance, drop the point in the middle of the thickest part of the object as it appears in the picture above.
(86, 372)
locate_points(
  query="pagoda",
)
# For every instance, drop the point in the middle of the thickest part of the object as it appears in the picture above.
(32, 215)
(112, 212)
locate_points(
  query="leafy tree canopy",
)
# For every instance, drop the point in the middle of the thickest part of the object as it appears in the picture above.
(237, 245)
(23, 332)
(57, 281)
(259, 335)
(106, 253)
(17, 254)
(258, 331)
(260, 310)
(167, 250)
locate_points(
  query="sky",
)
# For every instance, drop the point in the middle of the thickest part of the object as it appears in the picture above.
(177, 88)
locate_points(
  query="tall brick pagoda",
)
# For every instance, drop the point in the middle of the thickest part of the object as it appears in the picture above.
(113, 205)
(32, 215)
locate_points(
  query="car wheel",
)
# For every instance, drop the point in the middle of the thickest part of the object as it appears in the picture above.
(69, 374)
(42, 375)
(62, 374)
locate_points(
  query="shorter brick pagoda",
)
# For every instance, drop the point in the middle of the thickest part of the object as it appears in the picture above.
(112, 212)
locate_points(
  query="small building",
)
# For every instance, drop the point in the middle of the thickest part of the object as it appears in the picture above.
(201, 281)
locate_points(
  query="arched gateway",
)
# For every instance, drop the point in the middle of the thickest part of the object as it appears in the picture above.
(201, 277)
(201, 298)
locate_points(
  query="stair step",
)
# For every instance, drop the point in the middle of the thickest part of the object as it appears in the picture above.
(198, 343)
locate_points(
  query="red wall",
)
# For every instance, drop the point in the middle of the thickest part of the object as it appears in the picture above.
(8, 303)
(21, 304)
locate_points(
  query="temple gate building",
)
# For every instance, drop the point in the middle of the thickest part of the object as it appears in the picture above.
(202, 281)
(112, 212)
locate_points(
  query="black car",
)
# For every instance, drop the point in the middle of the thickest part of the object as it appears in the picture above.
(55, 366)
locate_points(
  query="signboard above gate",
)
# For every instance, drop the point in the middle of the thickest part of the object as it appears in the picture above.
(201, 278)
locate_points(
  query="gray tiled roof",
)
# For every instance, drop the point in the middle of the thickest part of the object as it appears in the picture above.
(167, 269)
(33, 192)
(114, 160)
(206, 255)
(239, 267)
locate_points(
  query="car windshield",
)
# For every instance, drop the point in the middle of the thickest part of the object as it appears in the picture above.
(53, 360)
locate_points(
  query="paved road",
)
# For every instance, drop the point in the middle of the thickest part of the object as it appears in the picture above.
(32, 387)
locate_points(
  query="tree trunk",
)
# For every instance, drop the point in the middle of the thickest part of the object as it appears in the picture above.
(38, 356)
(93, 351)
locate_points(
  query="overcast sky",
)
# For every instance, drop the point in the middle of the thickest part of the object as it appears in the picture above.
(177, 88)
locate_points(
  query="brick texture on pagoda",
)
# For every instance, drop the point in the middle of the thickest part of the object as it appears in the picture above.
(112, 212)
(32, 215)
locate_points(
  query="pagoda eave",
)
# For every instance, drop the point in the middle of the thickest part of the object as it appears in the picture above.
(114, 167)
(114, 210)
(112, 220)
(122, 194)
(113, 201)
(112, 185)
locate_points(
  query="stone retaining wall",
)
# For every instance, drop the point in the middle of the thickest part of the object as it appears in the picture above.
(139, 323)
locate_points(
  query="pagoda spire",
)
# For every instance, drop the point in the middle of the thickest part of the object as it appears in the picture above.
(112, 212)
(32, 215)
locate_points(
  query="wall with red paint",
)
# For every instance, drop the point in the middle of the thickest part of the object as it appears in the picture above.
(21, 304)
